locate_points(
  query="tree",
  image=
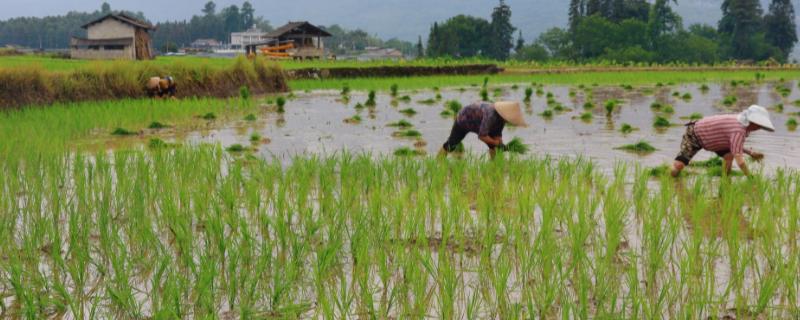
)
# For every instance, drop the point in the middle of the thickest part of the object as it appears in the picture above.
(502, 32)
(594, 7)
(781, 30)
(248, 14)
(558, 43)
(105, 8)
(420, 49)
(662, 21)
(741, 21)
(459, 36)
(232, 19)
(520, 42)
(576, 11)
(210, 8)
(433, 41)
(533, 52)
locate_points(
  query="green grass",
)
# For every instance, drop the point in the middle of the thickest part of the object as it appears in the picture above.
(586, 78)
(324, 236)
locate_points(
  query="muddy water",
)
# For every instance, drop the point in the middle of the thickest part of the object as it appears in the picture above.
(314, 123)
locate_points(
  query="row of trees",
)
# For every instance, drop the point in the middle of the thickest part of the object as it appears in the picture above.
(211, 24)
(635, 30)
(55, 32)
(626, 30)
(466, 36)
(50, 32)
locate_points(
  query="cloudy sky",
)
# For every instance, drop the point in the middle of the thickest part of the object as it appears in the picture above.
(405, 19)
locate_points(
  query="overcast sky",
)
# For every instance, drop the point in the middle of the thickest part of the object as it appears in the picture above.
(405, 19)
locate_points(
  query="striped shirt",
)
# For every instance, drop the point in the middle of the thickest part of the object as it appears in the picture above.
(722, 133)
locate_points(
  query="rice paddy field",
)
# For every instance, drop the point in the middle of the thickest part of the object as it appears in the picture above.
(325, 203)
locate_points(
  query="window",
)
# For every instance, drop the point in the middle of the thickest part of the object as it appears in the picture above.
(94, 47)
(114, 47)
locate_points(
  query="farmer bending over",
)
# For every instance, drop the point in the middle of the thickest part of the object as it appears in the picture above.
(724, 135)
(162, 87)
(487, 120)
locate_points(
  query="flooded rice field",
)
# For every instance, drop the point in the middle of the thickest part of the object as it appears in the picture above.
(314, 123)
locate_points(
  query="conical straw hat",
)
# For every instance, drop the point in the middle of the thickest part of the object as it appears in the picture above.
(511, 112)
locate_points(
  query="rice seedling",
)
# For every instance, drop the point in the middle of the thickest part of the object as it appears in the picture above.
(696, 116)
(408, 152)
(778, 107)
(668, 109)
(484, 94)
(627, 87)
(586, 116)
(345, 90)
(428, 101)
(250, 117)
(641, 147)
(122, 132)
(244, 93)
(359, 106)
(539, 92)
(255, 138)
(438, 97)
(729, 101)
(389, 236)
(704, 88)
(610, 105)
(517, 146)
(559, 108)
(393, 90)
(370, 99)
(408, 133)
(356, 119)
(661, 122)
(454, 106)
(404, 99)
(676, 94)
(157, 125)
(401, 124)
(627, 128)
(281, 103)
(791, 124)
(236, 148)
(796, 103)
(686, 97)
(156, 143)
(588, 105)
(528, 94)
(408, 111)
(547, 114)
(515, 87)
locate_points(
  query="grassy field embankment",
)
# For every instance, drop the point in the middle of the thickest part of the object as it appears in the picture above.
(32, 84)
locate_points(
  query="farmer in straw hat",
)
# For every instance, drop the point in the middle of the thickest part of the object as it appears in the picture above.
(487, 120)
(161, 87)
(724, 135)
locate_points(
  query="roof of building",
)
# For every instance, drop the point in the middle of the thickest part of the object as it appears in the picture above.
(298, 27)
(124, 18)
